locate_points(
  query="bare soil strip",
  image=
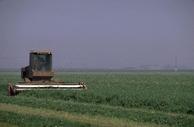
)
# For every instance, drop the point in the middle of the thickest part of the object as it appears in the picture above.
(93, 120)
(7, 125)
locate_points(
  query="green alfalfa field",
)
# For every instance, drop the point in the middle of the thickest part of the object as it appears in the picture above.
(113, 99)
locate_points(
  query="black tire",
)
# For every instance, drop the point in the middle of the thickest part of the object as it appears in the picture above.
(11, 90)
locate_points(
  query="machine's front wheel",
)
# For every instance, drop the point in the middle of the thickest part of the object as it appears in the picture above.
(11, 90)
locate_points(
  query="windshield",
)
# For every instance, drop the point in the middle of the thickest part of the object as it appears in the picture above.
(41, 62)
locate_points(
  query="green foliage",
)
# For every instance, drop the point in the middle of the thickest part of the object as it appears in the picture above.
(36, 121)
(140, 115)
(164, 92)
(161, 98)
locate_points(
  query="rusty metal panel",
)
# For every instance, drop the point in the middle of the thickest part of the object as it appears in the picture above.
(42, 73)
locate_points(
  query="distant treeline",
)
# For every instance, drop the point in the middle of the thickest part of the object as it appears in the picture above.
(102, 70)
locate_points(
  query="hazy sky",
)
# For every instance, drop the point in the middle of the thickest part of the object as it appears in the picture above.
(98, 33)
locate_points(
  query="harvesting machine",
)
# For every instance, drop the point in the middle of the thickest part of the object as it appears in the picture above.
(39, 76)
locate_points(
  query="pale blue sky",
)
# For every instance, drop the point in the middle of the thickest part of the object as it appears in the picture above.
(98, 33)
